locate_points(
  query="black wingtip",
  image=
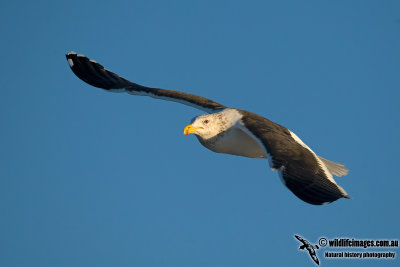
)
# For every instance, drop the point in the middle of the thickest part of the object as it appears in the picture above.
(94, 73)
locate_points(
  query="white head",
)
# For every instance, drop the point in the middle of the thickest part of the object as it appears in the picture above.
(206, 126)
(210, 125)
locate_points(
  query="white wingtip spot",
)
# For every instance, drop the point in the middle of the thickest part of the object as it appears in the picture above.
(72, 53)
(70, 62)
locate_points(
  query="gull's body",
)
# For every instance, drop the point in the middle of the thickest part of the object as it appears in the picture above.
(237, 132)
(228, 137)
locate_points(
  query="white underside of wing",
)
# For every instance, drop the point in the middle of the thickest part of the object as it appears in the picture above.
(177, 100)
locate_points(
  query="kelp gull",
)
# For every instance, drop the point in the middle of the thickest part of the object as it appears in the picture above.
(237, 132)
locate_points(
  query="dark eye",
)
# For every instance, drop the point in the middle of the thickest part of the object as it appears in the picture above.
(205, 121)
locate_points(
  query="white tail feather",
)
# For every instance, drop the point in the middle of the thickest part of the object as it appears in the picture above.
(335, 168)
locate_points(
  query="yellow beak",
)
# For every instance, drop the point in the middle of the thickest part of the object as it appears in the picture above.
(190, 129)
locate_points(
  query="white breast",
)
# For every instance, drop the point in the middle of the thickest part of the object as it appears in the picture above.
(235, 142)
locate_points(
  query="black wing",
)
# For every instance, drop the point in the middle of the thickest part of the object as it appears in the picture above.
(298, 167)
(315, 258)
(96, 75)
(301, 239)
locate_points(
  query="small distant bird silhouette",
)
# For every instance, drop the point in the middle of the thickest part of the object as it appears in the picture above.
(310, 248)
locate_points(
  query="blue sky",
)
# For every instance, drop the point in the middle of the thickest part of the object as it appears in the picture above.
(90, 178)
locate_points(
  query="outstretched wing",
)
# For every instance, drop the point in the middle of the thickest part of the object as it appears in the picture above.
(95, 74)
(315, 258)
(300, 239)
(298, 166)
